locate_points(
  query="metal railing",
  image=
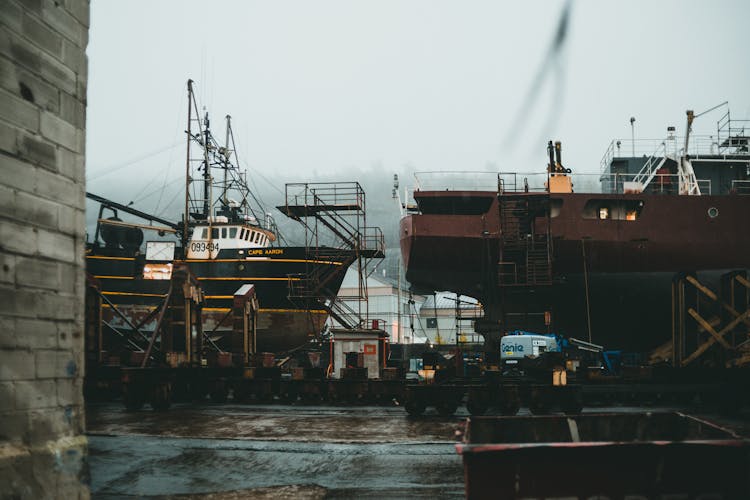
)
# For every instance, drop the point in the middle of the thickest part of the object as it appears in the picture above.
(652, 165)
(740, 187)
(582, 182)
(455, 181)
(699, 146)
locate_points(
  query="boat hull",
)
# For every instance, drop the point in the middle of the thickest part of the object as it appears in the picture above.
(625, 267)
(284, 321)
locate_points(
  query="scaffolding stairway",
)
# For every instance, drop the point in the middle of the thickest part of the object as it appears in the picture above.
(525, 243)
(336, 237)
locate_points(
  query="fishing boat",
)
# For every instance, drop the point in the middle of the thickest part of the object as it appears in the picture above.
(227, 240)
(592, 256)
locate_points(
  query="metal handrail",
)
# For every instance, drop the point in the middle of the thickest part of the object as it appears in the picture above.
(654, 162)
(741, 187)
(586, 182)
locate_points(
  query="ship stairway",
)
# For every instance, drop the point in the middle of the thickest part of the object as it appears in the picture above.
(525, 243)
(649, 170)
(336, 238)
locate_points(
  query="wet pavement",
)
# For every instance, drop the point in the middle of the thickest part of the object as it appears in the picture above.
(323, 452)
(283, 451)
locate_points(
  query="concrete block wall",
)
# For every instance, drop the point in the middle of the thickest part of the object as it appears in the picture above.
(43, 75)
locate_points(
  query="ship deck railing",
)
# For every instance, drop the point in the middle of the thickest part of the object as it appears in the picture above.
(741, 187)
(700, 146)
(536, 182)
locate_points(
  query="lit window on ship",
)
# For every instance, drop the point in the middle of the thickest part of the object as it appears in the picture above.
(611, 209)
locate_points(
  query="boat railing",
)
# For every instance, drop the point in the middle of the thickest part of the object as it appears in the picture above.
(455, 181)
(740, 187)
(625, 183)
(582, 183)
(336, 195)
(700, 146)
(373, 239)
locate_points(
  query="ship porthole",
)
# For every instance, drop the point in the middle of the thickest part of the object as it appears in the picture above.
(241, 267)
(713, 212)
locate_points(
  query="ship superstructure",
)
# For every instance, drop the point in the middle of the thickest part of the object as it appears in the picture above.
(591, 255)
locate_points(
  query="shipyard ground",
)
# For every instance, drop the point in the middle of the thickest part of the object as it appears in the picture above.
(283, 451)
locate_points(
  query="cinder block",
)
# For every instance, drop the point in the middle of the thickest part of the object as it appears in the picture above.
(7, 268)
(56, 246)
(14, 428)
(53, 423)
(67, 220)
(46, 363)
(18, 364)
(72, 110)
(37, 211)
(37, 91)
(7, 332)
(55, 15)
(7, 398)
(18, 112)
(73, 56)
(79, 10)
(18, 51)
(67, 278)
(37, 149)
(56, 306)
(8, 142)
(7, 299)
(60, 132)
(69, 392)
(42, 36)
(69, 335)
(56, 364)
(21, 302)
(17, 174)
(70, 165)
(12, 15)
(8, 79)
(38, 273)
(59, 188)
(18, 238)
(81, 86)
(34, 394)
(57, 73)
(33, 6)
(35, 333)
(7, 200)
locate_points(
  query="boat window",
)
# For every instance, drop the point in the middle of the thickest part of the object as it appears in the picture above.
(263, 240)
(204, 233)
(214, 233)
(252, 235)
(223, 232)
(232, 232)
(613, 209)
(242, 233)
(248, 234)
(257, 237)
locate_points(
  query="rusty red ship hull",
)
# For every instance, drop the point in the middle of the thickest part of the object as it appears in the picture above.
(624, 266)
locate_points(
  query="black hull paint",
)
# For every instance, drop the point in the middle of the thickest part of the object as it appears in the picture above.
(283, 323)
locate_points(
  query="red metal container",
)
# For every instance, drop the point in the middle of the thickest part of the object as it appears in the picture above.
(634, 456)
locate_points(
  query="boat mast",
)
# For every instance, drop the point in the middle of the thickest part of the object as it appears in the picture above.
(225, 200)
(206, 169)
(186, 217)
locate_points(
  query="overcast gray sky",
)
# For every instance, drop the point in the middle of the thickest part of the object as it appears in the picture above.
(332, 86)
